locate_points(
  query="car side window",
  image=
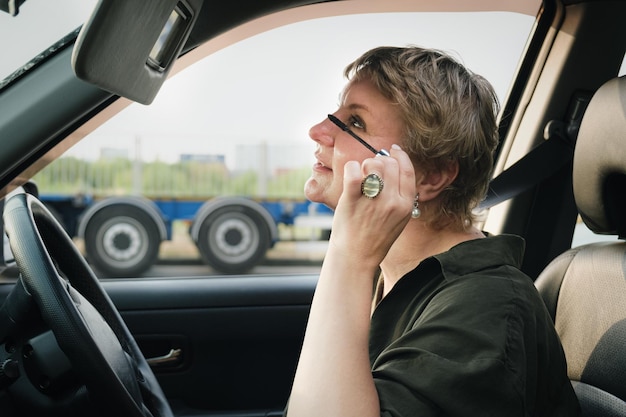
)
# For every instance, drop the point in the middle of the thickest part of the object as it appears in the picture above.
(211, 174)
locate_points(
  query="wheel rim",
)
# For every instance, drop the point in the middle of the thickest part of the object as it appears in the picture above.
(122, 241)
(234, 237)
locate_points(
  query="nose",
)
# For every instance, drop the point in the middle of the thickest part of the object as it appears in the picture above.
(322, 133)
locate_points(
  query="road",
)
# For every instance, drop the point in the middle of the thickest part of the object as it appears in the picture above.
(180, 258)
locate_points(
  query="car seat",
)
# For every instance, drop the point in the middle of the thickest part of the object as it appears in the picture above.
(585, 287)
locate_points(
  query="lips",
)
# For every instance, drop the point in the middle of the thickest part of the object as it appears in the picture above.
(321, 166)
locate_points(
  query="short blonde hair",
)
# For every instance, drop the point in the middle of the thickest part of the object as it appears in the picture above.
(449, 115)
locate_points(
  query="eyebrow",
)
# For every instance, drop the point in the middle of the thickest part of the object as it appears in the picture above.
(358, 106)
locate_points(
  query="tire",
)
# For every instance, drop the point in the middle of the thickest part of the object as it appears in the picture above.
(233, 239)
(122, 241)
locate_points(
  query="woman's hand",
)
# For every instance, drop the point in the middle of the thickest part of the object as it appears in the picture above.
(365, 228)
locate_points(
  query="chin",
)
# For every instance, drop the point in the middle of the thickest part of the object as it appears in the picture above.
(312, 190)
(316, 192)
(322, 190)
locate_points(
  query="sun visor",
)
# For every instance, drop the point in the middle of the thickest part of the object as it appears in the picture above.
(128, 47)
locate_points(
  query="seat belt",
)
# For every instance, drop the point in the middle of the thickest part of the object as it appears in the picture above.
(544, 160)
(539, 164)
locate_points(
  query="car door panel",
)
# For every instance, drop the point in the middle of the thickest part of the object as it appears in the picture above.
(238, 338)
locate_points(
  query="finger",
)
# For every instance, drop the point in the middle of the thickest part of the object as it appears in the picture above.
(374, 172)
(352, 179)
(382, 165)
(390, 173)
(406, 172)
(374, 165)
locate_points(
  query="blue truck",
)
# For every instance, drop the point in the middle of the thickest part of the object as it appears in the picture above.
(122, 234)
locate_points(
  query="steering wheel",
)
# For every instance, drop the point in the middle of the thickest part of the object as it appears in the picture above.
(106, 372)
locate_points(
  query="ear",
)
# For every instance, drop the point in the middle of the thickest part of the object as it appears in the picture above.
(432, 183)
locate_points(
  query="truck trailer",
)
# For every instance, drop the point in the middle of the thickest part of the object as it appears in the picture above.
(122, 234)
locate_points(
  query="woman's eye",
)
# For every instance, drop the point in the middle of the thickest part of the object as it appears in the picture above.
(355, 122)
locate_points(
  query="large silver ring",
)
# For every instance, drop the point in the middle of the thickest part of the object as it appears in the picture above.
(372, 185)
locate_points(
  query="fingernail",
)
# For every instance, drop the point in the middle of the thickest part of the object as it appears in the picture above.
(396, 147)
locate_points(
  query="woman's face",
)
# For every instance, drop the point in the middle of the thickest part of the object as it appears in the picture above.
(368, 114)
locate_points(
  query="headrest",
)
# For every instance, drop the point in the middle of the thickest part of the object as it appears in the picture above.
(599, 174)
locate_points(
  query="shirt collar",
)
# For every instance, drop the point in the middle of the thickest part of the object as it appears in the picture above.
(467, 257)
(477, 254)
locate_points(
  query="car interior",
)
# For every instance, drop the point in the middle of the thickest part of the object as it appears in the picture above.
(585, 287)
(76, 342)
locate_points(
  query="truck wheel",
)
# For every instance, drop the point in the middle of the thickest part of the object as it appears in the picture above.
(122, 241)
(233, 239)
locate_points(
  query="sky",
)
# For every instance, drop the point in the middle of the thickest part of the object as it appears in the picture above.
(275, 86)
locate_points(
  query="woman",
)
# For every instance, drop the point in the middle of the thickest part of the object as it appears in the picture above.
(453, 327)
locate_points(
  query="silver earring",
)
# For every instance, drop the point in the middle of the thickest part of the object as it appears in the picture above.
(415, 213)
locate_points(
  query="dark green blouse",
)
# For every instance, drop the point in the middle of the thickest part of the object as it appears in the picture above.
(466, 334)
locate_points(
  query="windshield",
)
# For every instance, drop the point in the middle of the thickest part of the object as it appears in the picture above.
(218, 128)
(39, 24)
